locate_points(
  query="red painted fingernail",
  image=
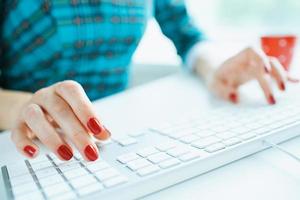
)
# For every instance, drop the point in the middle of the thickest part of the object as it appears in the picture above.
(29, 150)
(65, 152)
(91, 153)
(272, 100)
(282, 86)
(233, 97)
(94, 126)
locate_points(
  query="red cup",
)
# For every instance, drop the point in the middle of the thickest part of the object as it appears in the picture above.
(281, 47)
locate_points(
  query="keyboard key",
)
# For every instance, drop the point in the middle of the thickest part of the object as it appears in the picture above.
(115, 181)
(262, 131)
(226, 135)
(205, 133)
(165, 146)
(57, 189)
(169, 163)
(137, 164)
(26, 188)
(90, 189)
(137, 133)
(147, 151)
(83, 181)
(75, 173)
(64, 196)
(38, 159)
(159, 157)
(189, 138)
(21, 180)
(189, 156)
(69, 166)
(241, 130)
(232, 141)
(125, 158)
(219, 129)
(177, 135)
(254, 125)
(215, 147)
(202, 143)
(50, 180)
(247, 136)
(126, 141)
(96, 166)
(178, 151)
(36, 195)
(41, 166)
(148, 170)
(46, 172)
(107, 173)
(17, 169)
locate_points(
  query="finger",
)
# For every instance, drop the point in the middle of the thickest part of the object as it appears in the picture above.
(37, 122)
(226, 92)
(24, 145)
(275, 73)
(266, 89)
(61, 112)
(74, 95)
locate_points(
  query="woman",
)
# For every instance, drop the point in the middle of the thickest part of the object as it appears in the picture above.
(62, 54)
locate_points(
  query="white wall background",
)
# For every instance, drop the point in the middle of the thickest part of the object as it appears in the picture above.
(224, 20)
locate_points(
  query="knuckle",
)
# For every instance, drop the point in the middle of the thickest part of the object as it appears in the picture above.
(41, 93)
(32, 111)
(78, 135)
(69, 85)
(58, 107)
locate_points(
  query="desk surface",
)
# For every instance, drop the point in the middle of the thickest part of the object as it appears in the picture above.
(266, 175)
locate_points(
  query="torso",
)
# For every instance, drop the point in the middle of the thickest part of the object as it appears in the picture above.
(90, 41)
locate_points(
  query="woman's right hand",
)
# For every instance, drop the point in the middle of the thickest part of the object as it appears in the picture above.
(63, 106)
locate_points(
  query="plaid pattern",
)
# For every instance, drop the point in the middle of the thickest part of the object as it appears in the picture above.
(90, 41)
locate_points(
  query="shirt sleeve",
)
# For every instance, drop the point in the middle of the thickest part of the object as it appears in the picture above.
(177, 25)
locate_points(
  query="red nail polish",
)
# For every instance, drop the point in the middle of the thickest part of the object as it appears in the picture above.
(65, 152)
(29, 150)
(233, 97)
(282, 86)
(91, 153)
(272, 100)
(94, 126)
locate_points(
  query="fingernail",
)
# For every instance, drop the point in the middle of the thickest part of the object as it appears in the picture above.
(233, 97)
(272, 100)
(91, 153)
(65, 152)
(29, 150)
(109, 133)
(282, 86)
(94, 126)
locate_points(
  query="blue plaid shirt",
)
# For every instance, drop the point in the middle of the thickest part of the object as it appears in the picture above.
(89, 41)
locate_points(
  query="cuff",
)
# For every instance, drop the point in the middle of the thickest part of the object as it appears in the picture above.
(193, 54)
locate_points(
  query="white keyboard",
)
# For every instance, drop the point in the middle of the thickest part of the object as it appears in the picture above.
(147, 161)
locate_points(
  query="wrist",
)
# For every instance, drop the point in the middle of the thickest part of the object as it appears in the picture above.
(205, 70)
(12, 103)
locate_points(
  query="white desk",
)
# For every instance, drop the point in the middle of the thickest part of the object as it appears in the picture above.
(266, 175)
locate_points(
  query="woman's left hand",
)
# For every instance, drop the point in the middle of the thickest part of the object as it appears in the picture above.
(243, 67)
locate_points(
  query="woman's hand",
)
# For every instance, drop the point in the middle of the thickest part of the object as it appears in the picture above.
(63, 106)
(243, 67)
